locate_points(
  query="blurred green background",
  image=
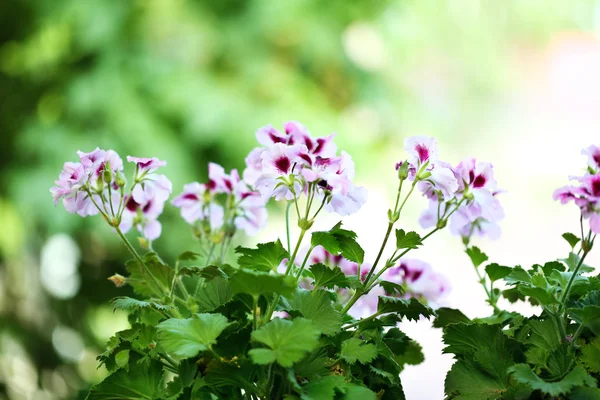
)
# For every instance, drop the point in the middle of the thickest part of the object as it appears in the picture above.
(189, 82)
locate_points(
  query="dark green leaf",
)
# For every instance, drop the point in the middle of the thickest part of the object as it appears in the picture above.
(257, 283)
(573, 260)
(287, 341)
(410, 240)
(317, 306)
(577, 377)
(585, 393)
(208, 273)
(571, 239)
(140, 279)
(266, 257)
(353, 392)
(543, 334)
(187, 337)
(324, 388)
(446, 316)
(518, 275)
(477, 256)
(411, 308)
(392, 288)
(552, 266)
(467, 382)
(142, 381)
(329, 277)
(189, 256)
(354, 350)
(590, 355)
(213, 294)
(497, 272)
(128, 303)
(351, 250)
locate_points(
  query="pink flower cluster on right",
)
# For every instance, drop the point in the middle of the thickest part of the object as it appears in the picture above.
(586, 192)
(465, 195)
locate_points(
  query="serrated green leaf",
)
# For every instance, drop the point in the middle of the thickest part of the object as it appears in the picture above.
(141, 281)
(287, 341)
(317, 306)
(208, 273)
(353, 392)
(467, 382)
(577, 377)
(586, 315)
(571, 239)
(590, 355)
(553, 266)
(585, 393)
(542, 296)
(258, 283)
(392, 288)
(411, 308)
(476, 255)
(337, 230)
(579, 285)
(517, 275)
(324, 388)
(446, 316)
(213, 294)
(142, 381)
(351, 250)
(187, 337)
(407, 240)
(354, 350)
(329, 277)
(543, 334)
(496, 272)
(128, 303)
(573, 260)
(327, 240)
(122, 359)
(266, 257)
(189, 256)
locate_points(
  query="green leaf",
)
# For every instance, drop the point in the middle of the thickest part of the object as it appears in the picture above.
(392, 288)
(141, 281)
(577, 377)
(573, 260)
(543, 334)
(517, 275)
(410, 240)
(213, 294)
(327, 240)
(585, 393)
(122, 359)
(287, 341)
(590, 355)
(411, 308)
(324, 388)
(477, 256)
(142, 381)
(354, 350)
(579, 285)
(209, 272)
(351, 250)
(128, 303)
(189, 256)
(542, 296)
(571, 239)
(187, 337)
(497, 272)
(446, 316)
(329, 277)
(553, 266)
(467, 382)
(257, 283)
(266, 257)
(353, 392)
(586, 315)
(317, 306)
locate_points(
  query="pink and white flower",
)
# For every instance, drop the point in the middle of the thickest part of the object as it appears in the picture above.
(586, 196)
(143, 212)
(280, 166)
(593, 155)
(158, 185)
(421, 149)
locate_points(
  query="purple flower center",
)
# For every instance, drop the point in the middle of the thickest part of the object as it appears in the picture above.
(479, 181)
(306, 158)
(320, 144)
(211, 185)
(409, 275)
(423, 152)
(145, 164)
(283, 164)
(228, 184)
(309, 144)
(275, 138)
(596, 187)
(147, 207)
(596, 158)
(100, 168)
(190, 196)
(131, 204)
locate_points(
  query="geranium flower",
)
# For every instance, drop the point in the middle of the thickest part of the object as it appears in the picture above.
(143, 212)
(279, 163)
(158, 185)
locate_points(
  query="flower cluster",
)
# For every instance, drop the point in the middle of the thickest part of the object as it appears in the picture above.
(96, 184)
(222, 205)
(418, 279)
(586, 193)
(465, 195)
(292, 163)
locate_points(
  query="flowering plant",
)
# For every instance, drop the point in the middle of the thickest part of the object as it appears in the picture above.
(312, 319)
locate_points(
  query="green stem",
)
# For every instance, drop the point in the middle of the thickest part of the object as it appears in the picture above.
(254, 312)
(362, 320)
(487, 291)
(304, 262)
(385, 240)
(565, 295)
(161, 288)
(287, 226)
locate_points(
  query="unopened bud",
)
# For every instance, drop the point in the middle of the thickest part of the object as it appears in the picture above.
(107, 176)
(402, 170)
(144, 243)
(118, 280)
(441, 224)
(120, 179)
(305, 224)
(586, 246)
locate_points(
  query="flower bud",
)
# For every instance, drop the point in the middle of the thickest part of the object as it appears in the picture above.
(144, 243)
(305, 224)
(402, 170)
(120, 179)
(118, 280)
(107, 176)
(441, 224)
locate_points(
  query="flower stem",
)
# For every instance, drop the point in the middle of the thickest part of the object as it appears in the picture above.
(565, 295)
(287, 226)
